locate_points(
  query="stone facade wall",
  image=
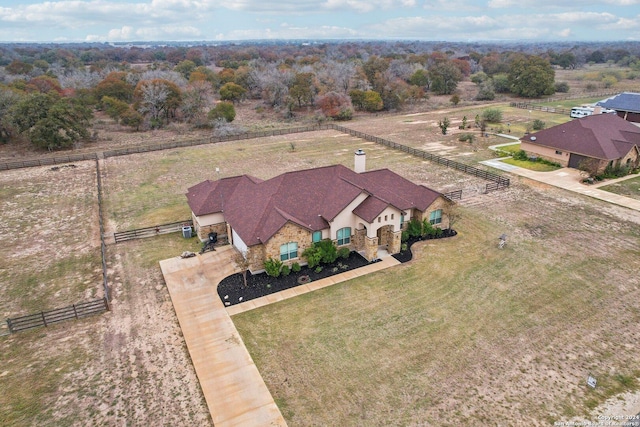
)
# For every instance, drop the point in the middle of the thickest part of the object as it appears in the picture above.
(395, 242)
(439, 203)
(203, 231)
(289, 233)
(359, 239)
(371, 248)
(256, 256)
(385, 235)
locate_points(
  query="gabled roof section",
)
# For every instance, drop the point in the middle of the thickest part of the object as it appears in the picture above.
(601, 136)
(398, 191)
(370, 208)
(625, 101)
(256, 209)
(208, 196)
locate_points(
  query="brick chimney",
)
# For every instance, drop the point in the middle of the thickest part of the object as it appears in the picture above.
(359, 161)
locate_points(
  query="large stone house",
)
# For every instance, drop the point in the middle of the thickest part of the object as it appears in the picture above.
(601, 139)
(279, 218)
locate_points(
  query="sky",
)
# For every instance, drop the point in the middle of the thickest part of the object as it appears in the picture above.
(224, 20)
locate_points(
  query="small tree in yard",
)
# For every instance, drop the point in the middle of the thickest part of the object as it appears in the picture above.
(452, 212)
(242, 264)
(538, 124)
(444, 125)
(492, 115)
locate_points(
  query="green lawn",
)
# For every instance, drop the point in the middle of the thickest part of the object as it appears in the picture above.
(534, 166)
(467, 333)
(629, 187)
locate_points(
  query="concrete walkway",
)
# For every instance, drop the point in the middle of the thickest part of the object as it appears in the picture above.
(386, 262)
(231, 383)
(571, 179)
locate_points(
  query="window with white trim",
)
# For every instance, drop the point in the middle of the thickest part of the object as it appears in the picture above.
(289, 251)
(317, 236)
(344, 236)
(435, 217)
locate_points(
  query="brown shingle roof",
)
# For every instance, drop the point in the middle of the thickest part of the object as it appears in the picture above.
(310, 198)
(602, 136)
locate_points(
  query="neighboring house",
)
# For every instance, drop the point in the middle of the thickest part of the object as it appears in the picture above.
(627, 105)
(279, 218)
(605, 139)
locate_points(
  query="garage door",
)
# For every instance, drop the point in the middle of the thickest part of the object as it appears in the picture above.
(575, 160)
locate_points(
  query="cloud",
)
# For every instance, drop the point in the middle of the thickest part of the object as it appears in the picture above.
(554, 4)
(286, 31)
(313, 6)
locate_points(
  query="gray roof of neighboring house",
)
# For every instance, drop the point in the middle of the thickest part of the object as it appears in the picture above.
(311, 198)
(601, 136)
(625, 101)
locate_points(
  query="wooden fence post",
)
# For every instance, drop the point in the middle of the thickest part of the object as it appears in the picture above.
(44, 319)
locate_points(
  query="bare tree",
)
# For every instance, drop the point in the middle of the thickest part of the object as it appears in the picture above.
(452, 212)
(242, 264)
(196, 97)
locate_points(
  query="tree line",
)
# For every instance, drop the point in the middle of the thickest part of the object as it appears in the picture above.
(48, 95)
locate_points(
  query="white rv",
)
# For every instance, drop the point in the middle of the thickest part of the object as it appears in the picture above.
(586, 110)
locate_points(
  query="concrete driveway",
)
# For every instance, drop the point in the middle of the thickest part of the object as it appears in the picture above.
(571, 179)
(232, 386)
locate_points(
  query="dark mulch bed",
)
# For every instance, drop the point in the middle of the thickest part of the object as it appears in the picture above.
(406, 255)
(232, 290)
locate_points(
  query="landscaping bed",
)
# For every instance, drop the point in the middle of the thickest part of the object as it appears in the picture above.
(406, 254)
(232, 290)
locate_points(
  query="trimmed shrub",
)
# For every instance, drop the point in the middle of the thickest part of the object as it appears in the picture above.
(328, 251)
(414, 228)
(295, 267)
(520, 155)
(273, 267)
(285, 270)
(466, 137)
(404, 236)
(344, 253)
(313, 256)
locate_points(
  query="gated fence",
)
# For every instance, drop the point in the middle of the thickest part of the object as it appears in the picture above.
(46, 318)
(213, 140)
(141, 233)
(45, 161)
(454, 195)
(536, 106)
(529, 106)
(103, 245)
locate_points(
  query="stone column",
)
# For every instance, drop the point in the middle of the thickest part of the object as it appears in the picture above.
(371, 248)
(395, 242)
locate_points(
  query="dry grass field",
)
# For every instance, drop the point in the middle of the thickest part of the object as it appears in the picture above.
(464, 333)
(467, 333)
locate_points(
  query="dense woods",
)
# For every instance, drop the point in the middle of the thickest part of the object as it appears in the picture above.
(49, 93)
